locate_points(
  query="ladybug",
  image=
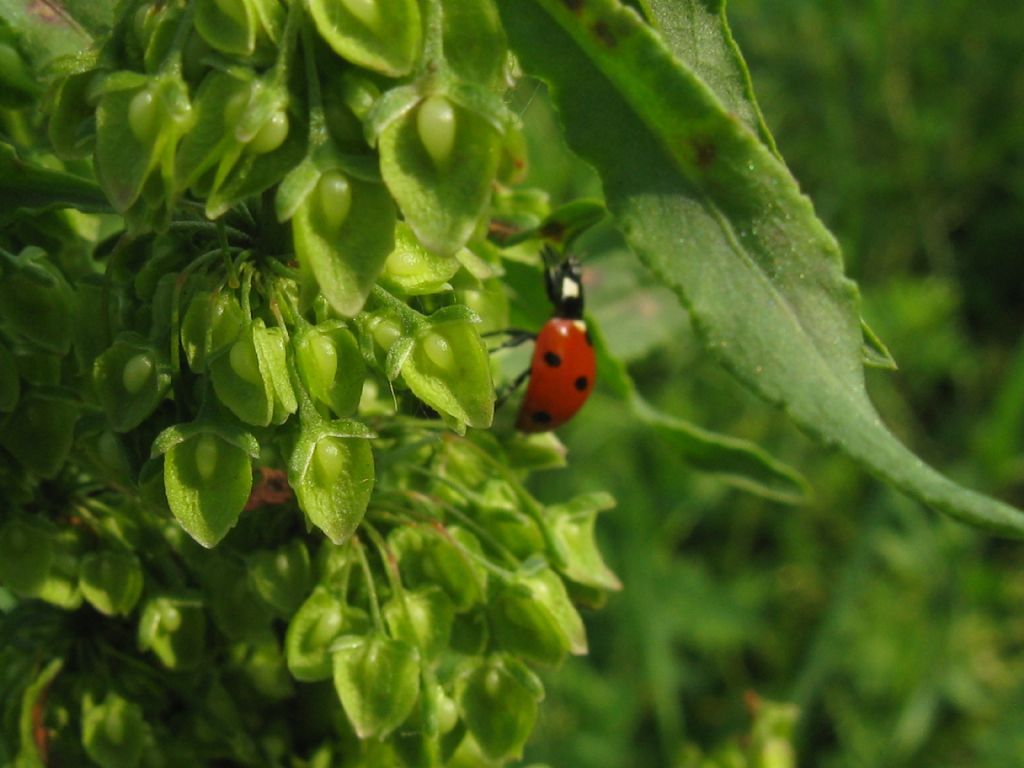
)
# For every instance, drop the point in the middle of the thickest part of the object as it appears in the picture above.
(563, 366)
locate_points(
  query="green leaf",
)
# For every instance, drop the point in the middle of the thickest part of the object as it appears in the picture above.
(533, 616)
(331, 472)
(497, 699)
(137, 133)
(213, 321)
(227, 25)
(423, 618)
(449, 370)
(320, 620)
(26, 551)
(46, 31)
(113, 732)
(344, 251)
(130, 378)
(26, 185)
(474, 41)
(378, 682)
(331, 366)
(208, 481)
(738, 462)
(174, 628)
(382, 35)
(571, 527)
(716, 216)
(451, 563)
(251, 377)
(40, 431)
(36, 302)
(111, 580)
(697, 33)
(412, 270)
(439, 160)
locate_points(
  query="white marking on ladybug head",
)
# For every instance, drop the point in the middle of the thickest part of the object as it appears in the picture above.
(570, 288)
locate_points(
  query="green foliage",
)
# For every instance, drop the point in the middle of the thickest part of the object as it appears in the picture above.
(261, 505)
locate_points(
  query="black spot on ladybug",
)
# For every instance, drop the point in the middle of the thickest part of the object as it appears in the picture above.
(541, 417)
(581, 383)
(552, 359)
(586, 335)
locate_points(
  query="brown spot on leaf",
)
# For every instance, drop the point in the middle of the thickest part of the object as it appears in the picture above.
(704, 151)
(573, 5)
(604, 33)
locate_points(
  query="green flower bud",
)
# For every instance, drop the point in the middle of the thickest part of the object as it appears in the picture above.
(252, 379)
(423, 618)
(130, 379)
(385, 331)
(207, 477)
(330, 366)
(211, 323)
(331, 472)
(136, 373)
(282, 577)
(489, 302)
(143, 116)
(571, 527)
(61, 586)
(450, 371)
(111, 581)
(343, 230)
(244, 361)
(447, 563)
(114, 732)
(271, 135)
(436, 123)
(320, 620)
(534, 618)
(381, 35)
(334, 196)
(497, 699)
(367, 11)
(173, 628)
(378, 682)
(514, 529)
(229, 26)
(439, 161)
(264, 667)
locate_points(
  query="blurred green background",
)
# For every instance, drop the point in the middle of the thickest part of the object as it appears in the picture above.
(898, 634)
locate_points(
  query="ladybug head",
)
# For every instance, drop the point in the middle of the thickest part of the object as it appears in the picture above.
(565, 289)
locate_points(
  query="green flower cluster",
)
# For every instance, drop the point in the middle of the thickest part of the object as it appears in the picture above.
(236, 416)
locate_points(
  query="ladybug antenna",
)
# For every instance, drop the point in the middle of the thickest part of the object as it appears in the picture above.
(564, 284)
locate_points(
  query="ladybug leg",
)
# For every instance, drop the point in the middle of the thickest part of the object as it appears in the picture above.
(516, 336)
(506, 391)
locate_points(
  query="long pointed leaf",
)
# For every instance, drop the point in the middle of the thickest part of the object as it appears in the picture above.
(718, 217)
